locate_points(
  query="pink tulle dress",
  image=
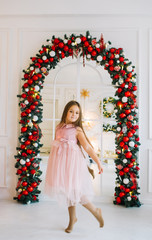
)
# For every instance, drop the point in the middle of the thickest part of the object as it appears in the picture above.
(67, 175)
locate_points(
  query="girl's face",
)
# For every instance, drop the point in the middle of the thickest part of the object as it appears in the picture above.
(72, 114)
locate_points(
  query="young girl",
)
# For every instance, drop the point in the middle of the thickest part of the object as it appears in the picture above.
(67, 175)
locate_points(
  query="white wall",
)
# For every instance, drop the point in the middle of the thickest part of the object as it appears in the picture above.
(24, 27)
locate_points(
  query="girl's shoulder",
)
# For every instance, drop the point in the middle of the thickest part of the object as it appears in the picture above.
(59, 125)
(79, 130)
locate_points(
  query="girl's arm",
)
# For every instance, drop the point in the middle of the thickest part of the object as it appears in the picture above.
(87, 147)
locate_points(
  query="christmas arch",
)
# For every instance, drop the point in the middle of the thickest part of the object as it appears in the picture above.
(127, 143)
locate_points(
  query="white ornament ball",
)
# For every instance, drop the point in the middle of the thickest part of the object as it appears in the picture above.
(27, 174)
(138, 190)
(31, 68)
(136, 110)
(78, 40)
(124, 99)
(99, 58)
(37, 70)
(35, 145)
(97, 45)
(118, 61)
(30, 115)
(30, 133)
(35, 118)
(129, 68)
(88, 56)
(26, 102)
(118, 129)
(37, 88)
(22, 161)
(118, 185)
(115, 111)
(52, 53)
(129, 198)
(44, 57)
(19, 190)
(126, 86)
(121, 81)
(131, 144)
(27, 160)
(117, 56)
(30, 124)
(26, 89)
(125, 160)
(72, 43)
(124, 129)
(126, 181)
(65, 41)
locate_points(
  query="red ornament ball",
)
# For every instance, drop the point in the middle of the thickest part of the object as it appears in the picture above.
(23, 95)
(19, 171)
(27, 142)
(24, 184)
(134, 88)
(35, 78)
(127, 190)
(128, 154)
(86, 44)
(30, 81)
(23, 129)
(110, 62)
(121, 59)
(121, 194)
(118, 200)
(129, 134)
(61, 45)
(24, 169)
(121, 144)
(130, 165)
(33, 171)
(121, 173)
(126, 169)
(90, 49)
(28, 164)
(94, 53)
(127, 94)
(122, 115)
(29, 151)
(119, 90)
(30, 189)
(66, 48)
(34, 184)
(25, 192)
(127, 111)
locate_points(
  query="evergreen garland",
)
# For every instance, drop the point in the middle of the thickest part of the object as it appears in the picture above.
(127, 140)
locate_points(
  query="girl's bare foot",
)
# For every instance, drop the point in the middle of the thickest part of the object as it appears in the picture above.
(70, 226)
(99, 217)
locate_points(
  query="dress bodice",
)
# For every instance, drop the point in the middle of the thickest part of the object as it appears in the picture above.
(66, 132)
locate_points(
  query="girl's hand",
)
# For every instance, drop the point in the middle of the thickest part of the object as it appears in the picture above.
(100, 168)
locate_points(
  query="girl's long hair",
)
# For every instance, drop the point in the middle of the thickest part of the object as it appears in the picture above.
(78, 122)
